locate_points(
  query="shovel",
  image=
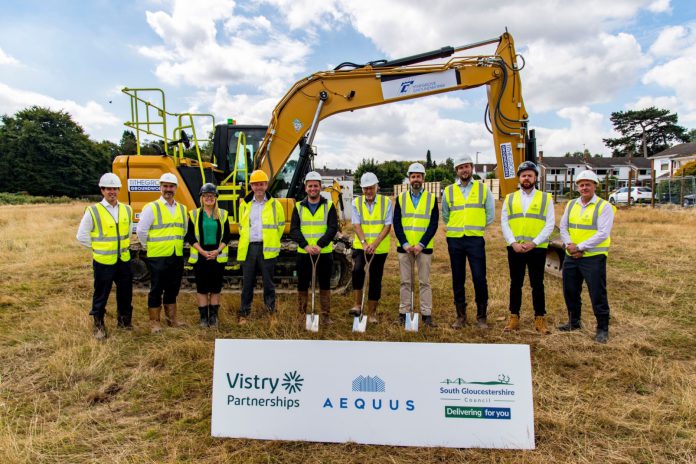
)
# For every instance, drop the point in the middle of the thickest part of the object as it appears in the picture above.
(360, 321)
(312, 320)
(412, 317)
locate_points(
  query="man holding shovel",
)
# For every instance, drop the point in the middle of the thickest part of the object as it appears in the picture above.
(416, 217)
(372, 219)
(314, 225)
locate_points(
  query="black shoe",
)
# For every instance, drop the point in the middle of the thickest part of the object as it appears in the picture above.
(602, 336)
(402, 319)
(481, 322)
(99, 328)
(204, 312)
(428, 320)
(213, 315)
(124, 322)
(570, 326)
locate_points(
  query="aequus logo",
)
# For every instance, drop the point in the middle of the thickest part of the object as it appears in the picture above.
(368, 384)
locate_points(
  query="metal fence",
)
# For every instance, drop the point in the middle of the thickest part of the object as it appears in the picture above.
(676, 191)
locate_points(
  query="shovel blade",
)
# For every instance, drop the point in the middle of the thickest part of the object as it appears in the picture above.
(359, 323)
(412, 322)
(312, 322)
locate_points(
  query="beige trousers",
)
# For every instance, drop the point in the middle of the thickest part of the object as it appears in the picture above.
(423, 262)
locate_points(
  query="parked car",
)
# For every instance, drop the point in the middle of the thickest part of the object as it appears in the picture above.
(638, 195)
(689, 200)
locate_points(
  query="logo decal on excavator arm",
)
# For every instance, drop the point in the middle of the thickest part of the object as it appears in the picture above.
(297, 124)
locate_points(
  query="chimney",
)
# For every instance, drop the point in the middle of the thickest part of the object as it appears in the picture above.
(541, 156)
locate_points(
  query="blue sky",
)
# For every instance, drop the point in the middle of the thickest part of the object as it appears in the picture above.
(584, 59)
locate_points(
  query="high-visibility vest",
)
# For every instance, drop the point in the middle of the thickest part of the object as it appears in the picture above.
(415, 220)
(372, 223)
(311, 227)
(222, 220)
(272, 227)
(166, 234)
(583, 224)
(467, 216)
(526, 226)
(109, 238)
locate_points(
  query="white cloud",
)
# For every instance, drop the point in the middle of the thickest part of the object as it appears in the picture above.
(586, 130)
(91, 115)
(670, 41)
(6, 59)
(660, 6)
(669, 102)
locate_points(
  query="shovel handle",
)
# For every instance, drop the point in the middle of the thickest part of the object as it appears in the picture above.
(366, 282)
(314, 277)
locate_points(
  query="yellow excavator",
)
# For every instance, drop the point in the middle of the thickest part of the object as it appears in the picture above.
(284, 149)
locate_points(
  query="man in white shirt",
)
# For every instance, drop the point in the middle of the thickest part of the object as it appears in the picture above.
(527, 220)
(106, 229)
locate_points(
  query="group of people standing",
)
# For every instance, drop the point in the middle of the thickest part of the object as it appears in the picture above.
(468, 207)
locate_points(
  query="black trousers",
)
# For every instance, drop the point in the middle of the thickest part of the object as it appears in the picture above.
(374, 292)
(534, 261)
(592, 270)
(105, 275)
(473, 249)
(304, 271)
(255, 262)
(165, 280)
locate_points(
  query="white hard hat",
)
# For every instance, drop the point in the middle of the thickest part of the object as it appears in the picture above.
(466, 159)
(169, 178)
(416, 167)
(312, 175)
(587, 175)
(368, 180)
(110, 180)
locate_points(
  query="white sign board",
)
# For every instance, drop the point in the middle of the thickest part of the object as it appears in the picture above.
(396, 86)
(508, 162)
(143, 185)
(405, 394)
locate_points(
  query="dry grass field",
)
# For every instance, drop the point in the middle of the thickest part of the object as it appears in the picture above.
(65, 397)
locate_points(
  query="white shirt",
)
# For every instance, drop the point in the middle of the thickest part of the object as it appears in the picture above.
(355, 218)
(255, 220)
(87, 224)
(526, 201)
(605, 221)
(147, 217)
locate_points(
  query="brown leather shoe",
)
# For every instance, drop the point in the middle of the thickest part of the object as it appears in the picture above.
(513, 323)
(540, 325)
(372, 311)
(355, 310)
(170, 316)
(242, 320)
(155, 325)
(325, 304)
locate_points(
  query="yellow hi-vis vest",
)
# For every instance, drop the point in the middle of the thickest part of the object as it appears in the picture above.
(314, 229)
(583, 225)
(372, 223)
(166, 235)
(526, 226)
(272, 228)
(467, 215)
(415, 220)
(222, 220)
(109, 238)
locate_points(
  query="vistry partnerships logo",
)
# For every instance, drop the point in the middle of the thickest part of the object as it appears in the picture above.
(258, 391)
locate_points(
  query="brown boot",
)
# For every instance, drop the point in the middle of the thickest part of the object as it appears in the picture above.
(513, 323)
(461, 316)
(325, 303)
(372, 311)
(170, 316)
(355, 310)
(540, 325)
(302, 298)
(154, 320)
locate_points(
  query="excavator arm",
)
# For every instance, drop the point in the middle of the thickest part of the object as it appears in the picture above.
(296, 117)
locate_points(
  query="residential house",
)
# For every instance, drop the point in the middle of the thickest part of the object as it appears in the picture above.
(667, 162)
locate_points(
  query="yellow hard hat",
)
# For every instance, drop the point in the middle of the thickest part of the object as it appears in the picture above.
(258, 176)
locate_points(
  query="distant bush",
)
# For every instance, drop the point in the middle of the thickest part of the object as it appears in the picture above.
(19, 199)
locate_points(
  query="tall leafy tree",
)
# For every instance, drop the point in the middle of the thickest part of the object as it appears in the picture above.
(45, 152)
(428, 160)
(652, 129)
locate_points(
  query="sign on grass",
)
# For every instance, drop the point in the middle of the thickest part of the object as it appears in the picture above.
(406, 394)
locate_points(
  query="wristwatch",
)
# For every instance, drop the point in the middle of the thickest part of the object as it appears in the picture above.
(363, 241)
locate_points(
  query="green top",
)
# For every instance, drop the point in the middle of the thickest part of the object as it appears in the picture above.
(210, 228)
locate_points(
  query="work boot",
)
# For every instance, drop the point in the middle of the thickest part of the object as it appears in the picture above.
(372, 311)
(154, 320)
(170, 316)
(602, 336)
(124, 320)
(242, 320)
(355, 310)
(325, 303)
(513, 323)
(213, 316)
(461, 316)
(402, 319)
(204, 312)
(540, 325)
(570, 326)
(481, 316)
(428, 320)
(99, 328)
(302, 298)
